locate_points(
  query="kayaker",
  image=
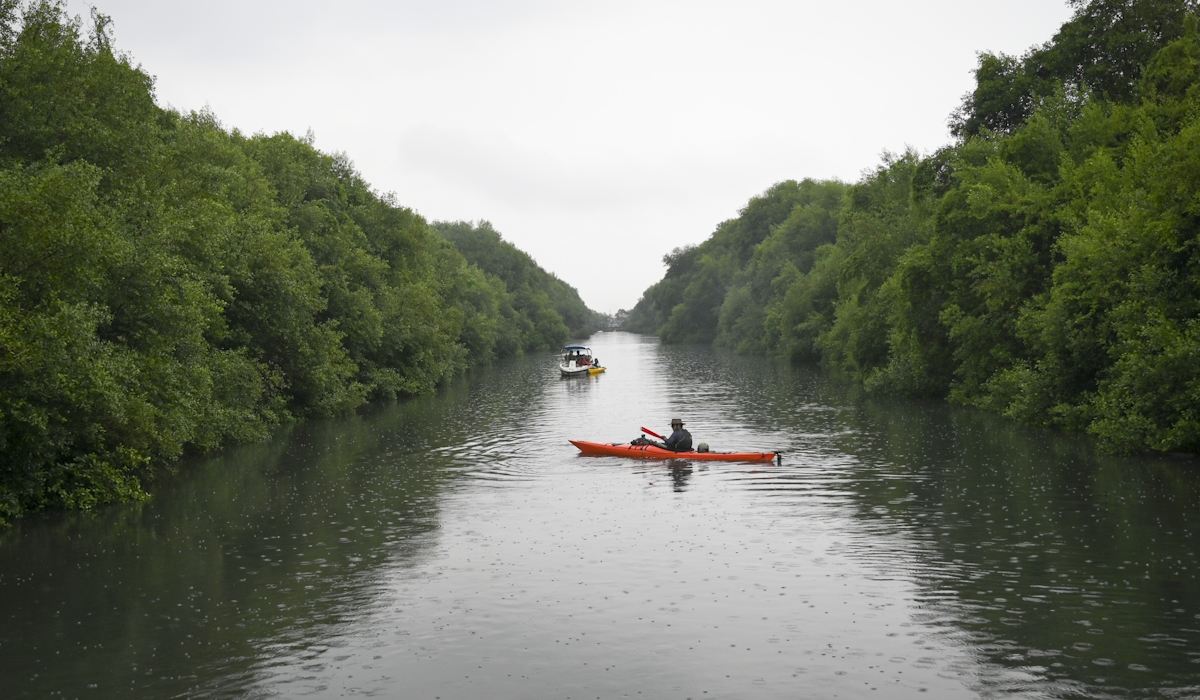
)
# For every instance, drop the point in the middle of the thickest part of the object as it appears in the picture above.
(679, 440)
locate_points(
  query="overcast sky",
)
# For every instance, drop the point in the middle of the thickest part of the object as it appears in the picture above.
(595, 136)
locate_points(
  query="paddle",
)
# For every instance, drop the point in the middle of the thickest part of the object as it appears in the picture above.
(660, 437)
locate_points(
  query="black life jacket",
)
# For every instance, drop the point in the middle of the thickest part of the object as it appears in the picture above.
(683, 444)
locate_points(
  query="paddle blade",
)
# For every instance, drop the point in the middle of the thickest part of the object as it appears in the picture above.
(652, 433)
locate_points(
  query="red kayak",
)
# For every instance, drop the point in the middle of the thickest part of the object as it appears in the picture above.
(624, 449)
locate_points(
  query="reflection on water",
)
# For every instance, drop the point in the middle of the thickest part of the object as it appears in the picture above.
(457, 546)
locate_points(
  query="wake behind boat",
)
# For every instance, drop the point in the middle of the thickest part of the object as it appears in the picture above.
(625, 449)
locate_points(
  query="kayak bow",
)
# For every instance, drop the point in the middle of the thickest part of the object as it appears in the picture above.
(624, 449)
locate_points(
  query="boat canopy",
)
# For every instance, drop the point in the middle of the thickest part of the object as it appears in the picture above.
(576, 347)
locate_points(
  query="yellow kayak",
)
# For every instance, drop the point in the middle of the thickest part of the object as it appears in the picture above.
(596, 370)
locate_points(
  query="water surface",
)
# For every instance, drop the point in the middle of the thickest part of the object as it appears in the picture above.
(456, 546)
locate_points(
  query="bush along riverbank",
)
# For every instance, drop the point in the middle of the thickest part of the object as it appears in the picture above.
(168, 285)
(1046, 264)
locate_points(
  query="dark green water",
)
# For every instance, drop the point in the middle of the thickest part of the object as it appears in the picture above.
(458, 547)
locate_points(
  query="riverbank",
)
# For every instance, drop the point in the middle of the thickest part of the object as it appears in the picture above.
(169, 286)
(1042, 265)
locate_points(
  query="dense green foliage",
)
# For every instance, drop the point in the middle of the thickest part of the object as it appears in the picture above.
(1045, 265)
(167, 285)
(545, 309)
(727, 289)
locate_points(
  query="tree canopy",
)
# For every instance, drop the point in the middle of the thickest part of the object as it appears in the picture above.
(168, 285)
(1046, 264)
(546, 310)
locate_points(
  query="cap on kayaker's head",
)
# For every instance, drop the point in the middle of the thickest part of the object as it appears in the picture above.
(676, 422)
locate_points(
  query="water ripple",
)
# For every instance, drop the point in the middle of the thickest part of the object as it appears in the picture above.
(459, 546)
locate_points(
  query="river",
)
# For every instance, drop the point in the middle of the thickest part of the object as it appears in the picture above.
(457, 546)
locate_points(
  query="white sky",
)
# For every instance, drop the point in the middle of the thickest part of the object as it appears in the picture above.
(595, 136)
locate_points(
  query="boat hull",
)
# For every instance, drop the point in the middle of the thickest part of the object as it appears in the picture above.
(596, 370)
(624, 449)
(573, 371)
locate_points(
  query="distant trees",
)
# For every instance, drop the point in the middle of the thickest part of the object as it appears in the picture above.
(545, 309)
(168, 286)
(1046, 265)
(726, 289)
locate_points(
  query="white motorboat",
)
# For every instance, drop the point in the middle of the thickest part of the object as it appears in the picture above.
(576, 361)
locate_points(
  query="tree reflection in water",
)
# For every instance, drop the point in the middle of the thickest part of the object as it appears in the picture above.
(457, 545)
